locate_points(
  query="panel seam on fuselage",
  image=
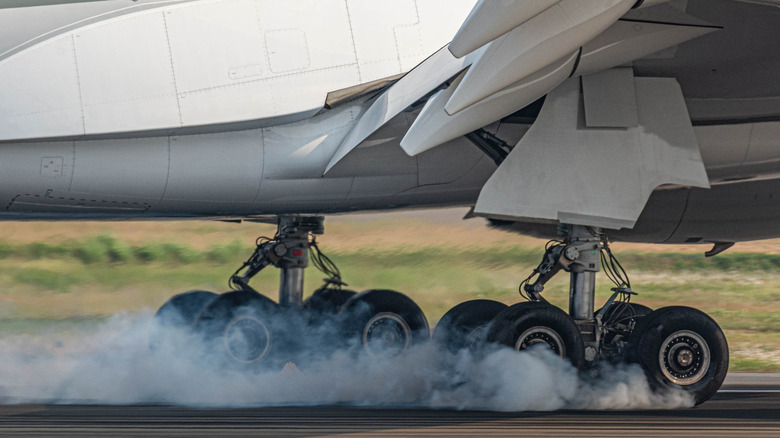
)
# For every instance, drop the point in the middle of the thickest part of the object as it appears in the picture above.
(83, 23)
(78, 84)
(173, 69)
(354, 44)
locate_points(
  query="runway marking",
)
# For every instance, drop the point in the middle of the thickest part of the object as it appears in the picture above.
(755, 391)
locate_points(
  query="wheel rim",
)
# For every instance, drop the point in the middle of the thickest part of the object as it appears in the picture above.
(386, 333)
(540, 335)
(684, 357)
(247, 339)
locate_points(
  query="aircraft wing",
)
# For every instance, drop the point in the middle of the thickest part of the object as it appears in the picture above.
(515, 52)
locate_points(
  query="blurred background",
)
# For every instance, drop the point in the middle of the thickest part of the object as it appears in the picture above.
(68, 277)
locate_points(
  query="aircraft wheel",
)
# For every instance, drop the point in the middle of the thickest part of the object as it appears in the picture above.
(328, 300)
(244, 329)
(466, 325)
(179, 312)
(183, 309)
(529, 324)
(384, 322)
(682, 348)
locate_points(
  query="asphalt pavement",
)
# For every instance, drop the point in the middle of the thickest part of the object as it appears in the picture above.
(747, 406)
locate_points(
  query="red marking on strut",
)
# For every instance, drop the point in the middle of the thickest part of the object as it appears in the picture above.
(297, 253)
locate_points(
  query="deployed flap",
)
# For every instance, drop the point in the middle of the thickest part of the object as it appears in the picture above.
(564, 171)
(532, 46)
(490, 19)
(628, 39)
(434, 126)
(610, 100)
(423, 79)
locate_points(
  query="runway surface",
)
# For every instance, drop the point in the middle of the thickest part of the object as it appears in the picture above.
(748, 406)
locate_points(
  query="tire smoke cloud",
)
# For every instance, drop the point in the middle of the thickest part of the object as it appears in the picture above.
(114, 365)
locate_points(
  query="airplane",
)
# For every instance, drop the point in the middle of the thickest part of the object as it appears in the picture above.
(583, 121)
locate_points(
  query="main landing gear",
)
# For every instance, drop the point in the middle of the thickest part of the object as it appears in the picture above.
(244, 329)
(678, 347)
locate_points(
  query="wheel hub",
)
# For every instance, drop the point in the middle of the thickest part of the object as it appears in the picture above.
(541, 336)
(386, 333)
(247, 339)
(684, 357)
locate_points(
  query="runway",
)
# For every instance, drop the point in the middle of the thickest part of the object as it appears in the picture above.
(749, 405)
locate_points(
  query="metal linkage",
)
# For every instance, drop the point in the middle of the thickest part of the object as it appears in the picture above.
(288, 250)
(578, 253)
(490, 145)
(582, 253)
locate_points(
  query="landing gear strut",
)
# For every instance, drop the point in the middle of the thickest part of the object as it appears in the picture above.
(288, 251)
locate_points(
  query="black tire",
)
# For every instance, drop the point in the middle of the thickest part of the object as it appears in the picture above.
(183, 309)
(178, 313)
(384, 322)
(244, 330)
(465, 325)
(328, 301)
(526, 324)
(621, 319)
(681, 348)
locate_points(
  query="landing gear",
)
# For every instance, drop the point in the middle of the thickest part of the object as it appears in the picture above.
(244, 329)
(679, 348)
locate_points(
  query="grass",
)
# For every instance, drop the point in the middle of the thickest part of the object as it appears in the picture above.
(753, 365)
(107, 249)
(72, 275)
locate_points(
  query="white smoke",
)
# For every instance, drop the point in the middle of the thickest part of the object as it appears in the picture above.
(114, 365)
